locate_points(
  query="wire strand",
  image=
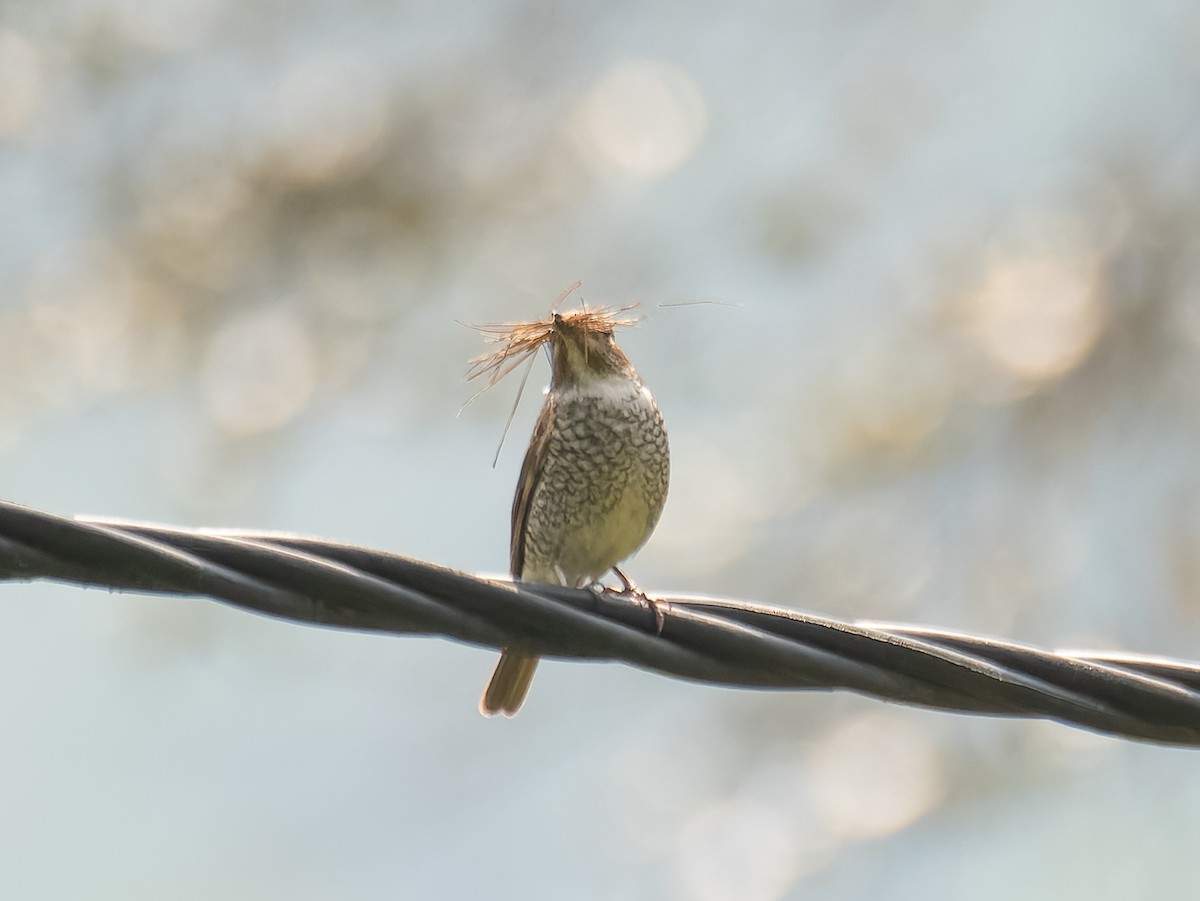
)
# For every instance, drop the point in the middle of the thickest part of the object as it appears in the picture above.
(710, 640)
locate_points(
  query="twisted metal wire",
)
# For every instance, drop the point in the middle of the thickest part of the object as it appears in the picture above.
(701, 639)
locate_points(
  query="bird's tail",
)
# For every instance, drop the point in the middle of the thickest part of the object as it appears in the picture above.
(506, 691)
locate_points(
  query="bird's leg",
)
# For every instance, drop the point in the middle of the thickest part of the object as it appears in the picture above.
(627, 587)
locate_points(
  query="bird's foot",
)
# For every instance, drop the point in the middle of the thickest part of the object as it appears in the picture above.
(629, 588)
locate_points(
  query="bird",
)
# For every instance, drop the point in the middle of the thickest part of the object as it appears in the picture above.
(594, 479)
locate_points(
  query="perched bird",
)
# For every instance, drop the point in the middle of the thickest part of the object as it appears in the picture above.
(595, 475)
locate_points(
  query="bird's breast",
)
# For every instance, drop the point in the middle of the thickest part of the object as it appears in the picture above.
(603, 484)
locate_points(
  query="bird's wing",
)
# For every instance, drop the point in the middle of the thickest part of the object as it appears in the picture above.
(531, 473)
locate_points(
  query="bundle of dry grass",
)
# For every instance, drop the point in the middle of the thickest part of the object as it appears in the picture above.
(520, 340)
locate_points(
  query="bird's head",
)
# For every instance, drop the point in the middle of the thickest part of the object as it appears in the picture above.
(582, 349)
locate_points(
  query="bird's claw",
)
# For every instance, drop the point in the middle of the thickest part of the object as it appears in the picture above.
(630, 589)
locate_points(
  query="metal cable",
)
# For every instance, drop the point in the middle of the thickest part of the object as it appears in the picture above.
(701, 639)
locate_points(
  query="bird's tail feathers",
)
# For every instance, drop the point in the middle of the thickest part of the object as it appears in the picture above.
(509, 684)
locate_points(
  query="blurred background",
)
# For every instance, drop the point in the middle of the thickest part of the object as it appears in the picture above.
(921, 285)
